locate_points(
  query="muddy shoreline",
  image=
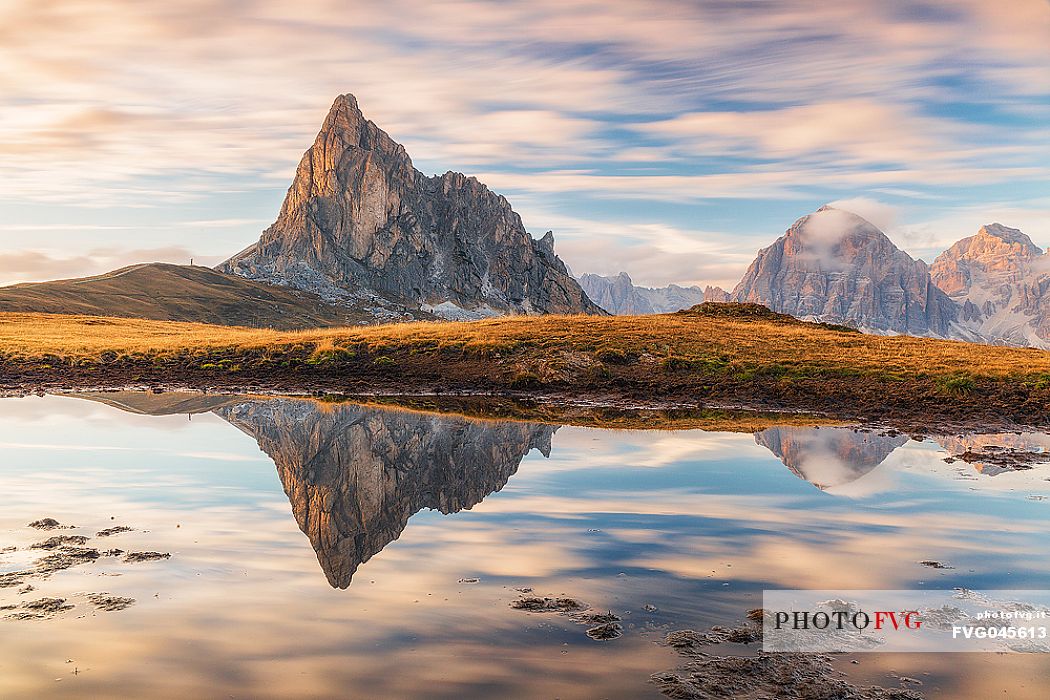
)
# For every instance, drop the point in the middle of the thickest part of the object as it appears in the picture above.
(915, 406)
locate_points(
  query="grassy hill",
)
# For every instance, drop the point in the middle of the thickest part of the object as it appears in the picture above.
(161, 291)
(737, 355)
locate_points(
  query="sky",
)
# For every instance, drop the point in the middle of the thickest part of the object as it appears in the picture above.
(668, 139)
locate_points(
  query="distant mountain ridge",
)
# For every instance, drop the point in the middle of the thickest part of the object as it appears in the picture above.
(834, 266)
(361, 225)
(619, 295)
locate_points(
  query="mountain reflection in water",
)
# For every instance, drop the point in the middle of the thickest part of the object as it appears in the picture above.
(828, 457)
(354, 474)
(667, 529)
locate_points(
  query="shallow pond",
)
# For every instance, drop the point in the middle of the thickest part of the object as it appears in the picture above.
(335, 550)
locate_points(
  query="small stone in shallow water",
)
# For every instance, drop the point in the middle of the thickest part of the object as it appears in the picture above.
(603, 633)
(41, 609)
(110, 603)
(537, 604)
(110, 531)
(60, 541)
(595, 618)
(49, 524)
(135, 557)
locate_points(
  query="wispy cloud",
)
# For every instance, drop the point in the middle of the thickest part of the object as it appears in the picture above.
(653, 254)
(105, 103)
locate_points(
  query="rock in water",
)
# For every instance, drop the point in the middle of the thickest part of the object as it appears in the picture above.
(835, 266)
(360, 225)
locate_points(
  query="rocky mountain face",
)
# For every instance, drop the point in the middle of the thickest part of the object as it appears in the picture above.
(716, 295)
(835, 266)
(998, 278)
(355, 475)
(361, 226)
(618, 295)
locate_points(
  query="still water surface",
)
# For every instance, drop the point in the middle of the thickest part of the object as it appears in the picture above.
(323, 550)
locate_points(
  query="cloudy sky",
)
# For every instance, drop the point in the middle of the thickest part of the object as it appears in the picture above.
(668, 139)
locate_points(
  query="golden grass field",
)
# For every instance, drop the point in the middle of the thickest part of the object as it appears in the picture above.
(716, 339)
(716, 356)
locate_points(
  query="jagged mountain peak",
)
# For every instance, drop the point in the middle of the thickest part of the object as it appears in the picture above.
(997, 276)
(346, 126)
(994, 258)
(360, 225)
(836, 266)
(1011, 236)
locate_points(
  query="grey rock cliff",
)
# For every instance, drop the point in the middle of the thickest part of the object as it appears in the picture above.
(835, 266)
(361, 225)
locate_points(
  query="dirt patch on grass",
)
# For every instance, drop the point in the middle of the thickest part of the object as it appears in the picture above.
(606, 632)
(60, 541)
(40, 609)
(787, 676)
(539, 604)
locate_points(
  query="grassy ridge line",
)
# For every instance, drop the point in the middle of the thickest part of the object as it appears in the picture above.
(722, 355)
(704, 343)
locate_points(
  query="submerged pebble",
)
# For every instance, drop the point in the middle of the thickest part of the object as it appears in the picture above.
(49, 524)
(136, 557)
